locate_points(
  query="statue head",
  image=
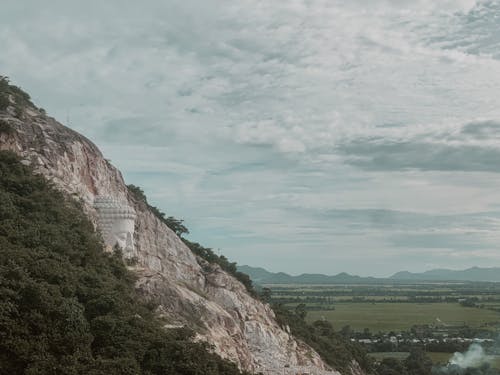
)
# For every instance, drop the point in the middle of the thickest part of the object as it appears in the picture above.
(116, 222)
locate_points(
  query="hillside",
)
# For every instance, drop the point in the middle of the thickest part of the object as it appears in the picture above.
(186, 289)
(68, 307)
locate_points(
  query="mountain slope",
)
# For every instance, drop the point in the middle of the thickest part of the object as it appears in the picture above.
(188, 290)
(67, 307)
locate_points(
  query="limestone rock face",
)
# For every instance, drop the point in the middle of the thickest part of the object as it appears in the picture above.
(189, 290)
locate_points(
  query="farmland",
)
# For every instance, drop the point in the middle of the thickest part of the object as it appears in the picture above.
(396, 307)
(386, 316)
(390, 320)
(323, 296)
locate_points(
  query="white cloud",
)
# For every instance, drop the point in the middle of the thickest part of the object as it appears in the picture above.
(236, 115)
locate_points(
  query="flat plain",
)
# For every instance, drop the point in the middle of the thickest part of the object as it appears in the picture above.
(386, 316)
(452, 314)
(397, 307)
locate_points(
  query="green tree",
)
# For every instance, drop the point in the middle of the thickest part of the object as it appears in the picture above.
(301, 311)
(391, 366)
(177, 225)
(66, 307)
(418, 363)
(20, 98)
(336, 350)
(346, 331)
(265, 295)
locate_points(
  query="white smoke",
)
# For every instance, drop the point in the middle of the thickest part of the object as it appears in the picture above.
(473, 357)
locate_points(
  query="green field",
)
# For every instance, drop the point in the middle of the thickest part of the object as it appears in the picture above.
(402, 316)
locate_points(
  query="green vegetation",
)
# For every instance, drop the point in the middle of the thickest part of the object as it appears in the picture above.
(324, 296)
(203, 252)
(21, 98)
(230, 267)
(66, 306)
(4, 101)
(402, 316)
(415, 363)
(395, 307)
(175, 224)
(335, 349)
(437, 358)
(5, 127)
(404, 327)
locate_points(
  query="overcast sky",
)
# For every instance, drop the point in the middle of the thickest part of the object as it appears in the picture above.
(296, 135)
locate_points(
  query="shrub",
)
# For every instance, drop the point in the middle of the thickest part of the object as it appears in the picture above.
(230, 267)
(203, 252)
(20, 97)
(5, 127)
(334, 349)
(175, 224)
(4, 101)
(67, 307)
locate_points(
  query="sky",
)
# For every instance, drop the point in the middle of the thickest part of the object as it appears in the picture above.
(296, 135)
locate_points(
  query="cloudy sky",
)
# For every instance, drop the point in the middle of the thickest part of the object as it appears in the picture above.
(297, 135)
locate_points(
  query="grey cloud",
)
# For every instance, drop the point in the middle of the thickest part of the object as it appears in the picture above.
(380, 155)
(393, 220)
(227, 114)
(452, 241)
(476, 32)
(146, 131)
(483, 130)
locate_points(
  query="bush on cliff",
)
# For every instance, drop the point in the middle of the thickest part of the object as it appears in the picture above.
(5, 127)
(203, 252)
(20, 97)
(175, 224)
(333, 348)
(224, 263)
(66, 307)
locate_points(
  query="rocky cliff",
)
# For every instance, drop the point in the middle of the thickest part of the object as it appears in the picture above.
(188, 290)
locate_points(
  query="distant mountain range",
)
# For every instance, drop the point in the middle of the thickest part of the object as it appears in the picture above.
(262, 276)
(470, 274)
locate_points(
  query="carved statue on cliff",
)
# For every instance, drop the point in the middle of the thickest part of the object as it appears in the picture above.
(116, 223)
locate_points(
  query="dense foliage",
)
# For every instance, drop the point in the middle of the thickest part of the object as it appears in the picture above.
(5, 127)
(175, 224)
(66, 307)
(335, 349)
(20, 98)
(203, 252)
(224, 263)
(419, 363)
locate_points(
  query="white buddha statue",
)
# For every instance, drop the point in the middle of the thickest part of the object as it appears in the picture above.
(117, 223)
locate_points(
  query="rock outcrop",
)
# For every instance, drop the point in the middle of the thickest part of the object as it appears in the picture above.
(189, 290)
